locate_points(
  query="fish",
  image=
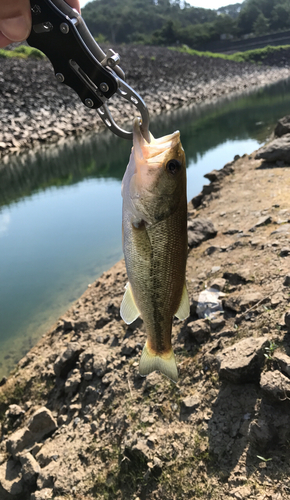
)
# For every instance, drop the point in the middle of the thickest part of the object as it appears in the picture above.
(154, 228)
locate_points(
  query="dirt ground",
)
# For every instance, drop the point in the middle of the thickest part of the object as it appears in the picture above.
(78, 422)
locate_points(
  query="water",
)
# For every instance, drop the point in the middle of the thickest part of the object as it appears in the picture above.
(60, 208)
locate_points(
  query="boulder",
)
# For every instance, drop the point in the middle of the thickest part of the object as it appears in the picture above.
(30, 468)
(283, 126)
(11, 482)
(199, 230)
(276, 150)
(66, 361)
(242, 362)
(275, 385)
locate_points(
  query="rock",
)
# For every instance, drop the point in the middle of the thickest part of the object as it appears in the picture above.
(287, 280)
(283, 361)
(242, 302)
(100, 365)
(11, 482)
(42, 423)
(128, 347)
(199, 330)
(283, 126)
(45, 494)
(190, 404)
(285, 252)
(14, 412)
(263, 221)
(275, 385)
(242, 362)
(287, 319)
(73, 381)
(3, 381)
(23, 438)
(218, 283)
(67, 360)
(236, 278)
(231, 231)
(46, 477)
(217, 322)
(196, 200)
(278, 149)
(210, 250)
(30, 468)
(199, 230)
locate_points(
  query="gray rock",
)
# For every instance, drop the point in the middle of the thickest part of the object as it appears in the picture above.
(128, 347)
(199, 330)
(242, 362)
(190, 403)
(278, 149)
(218, 283)
(287, 319)
(285, 252)
(199, 230)
(100, 365)
(236, 278)
(30, 468)
(283, 126)
(22, 438)
(45, 494)
(196, 200)
(243, 301)
(73, 381)
(42, 423)
(217, 321)
(11, 482)
(213, 175)
(263, 221)
(283, 361)
(275, 385)
(67, 360)
(14, 412)
(210, 250)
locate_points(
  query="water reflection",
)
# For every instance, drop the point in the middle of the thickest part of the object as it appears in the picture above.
(60, 215)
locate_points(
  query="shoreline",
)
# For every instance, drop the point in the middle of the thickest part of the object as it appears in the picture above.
(78, 421)
(35, 110)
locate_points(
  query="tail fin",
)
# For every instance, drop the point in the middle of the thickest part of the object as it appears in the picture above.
(166, 364)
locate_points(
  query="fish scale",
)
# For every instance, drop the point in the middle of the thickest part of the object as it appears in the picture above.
(155, 244)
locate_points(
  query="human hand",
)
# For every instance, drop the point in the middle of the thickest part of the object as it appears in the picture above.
(15, 20)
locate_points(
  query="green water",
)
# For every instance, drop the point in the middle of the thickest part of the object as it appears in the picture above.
(60, 207)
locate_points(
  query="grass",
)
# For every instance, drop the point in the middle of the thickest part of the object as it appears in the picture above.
(22, 52)
(253, 56)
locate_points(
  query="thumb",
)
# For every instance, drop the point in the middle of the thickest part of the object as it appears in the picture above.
(15, 19)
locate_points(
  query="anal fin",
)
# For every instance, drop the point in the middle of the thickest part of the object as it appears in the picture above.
(129, 311)
(183, 310)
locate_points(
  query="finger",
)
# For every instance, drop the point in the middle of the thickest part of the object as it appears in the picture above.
(75, 4)
(15, 20)
(3, 41)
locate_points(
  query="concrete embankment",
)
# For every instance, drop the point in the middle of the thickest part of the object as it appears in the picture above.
(35, 109)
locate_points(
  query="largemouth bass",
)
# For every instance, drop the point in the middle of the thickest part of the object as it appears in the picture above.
(155, 244)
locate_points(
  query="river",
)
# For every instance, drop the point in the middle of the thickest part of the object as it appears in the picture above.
(60, 207)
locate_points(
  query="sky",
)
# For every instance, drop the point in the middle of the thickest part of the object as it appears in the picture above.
(206, 4)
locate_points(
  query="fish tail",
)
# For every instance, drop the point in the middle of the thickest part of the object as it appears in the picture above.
(166, 364)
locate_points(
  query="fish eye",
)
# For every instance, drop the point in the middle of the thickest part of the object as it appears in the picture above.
(173, 166)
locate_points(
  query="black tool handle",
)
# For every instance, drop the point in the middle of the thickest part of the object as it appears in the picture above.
(60, 32)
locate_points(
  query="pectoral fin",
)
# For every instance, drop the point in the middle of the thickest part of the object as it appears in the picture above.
(129, 311)
(183, 310)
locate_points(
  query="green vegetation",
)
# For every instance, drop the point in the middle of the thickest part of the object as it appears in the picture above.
(23, 52)
(254, 56)
(170, 22)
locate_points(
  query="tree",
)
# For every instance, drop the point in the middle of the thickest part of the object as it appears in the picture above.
(261, 25)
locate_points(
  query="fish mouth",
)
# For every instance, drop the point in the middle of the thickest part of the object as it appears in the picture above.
(155, 151)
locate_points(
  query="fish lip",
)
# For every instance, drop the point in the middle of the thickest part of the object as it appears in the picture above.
(155, 150)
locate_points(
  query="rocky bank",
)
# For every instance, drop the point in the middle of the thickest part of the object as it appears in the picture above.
(35, 109)
(77, 420)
